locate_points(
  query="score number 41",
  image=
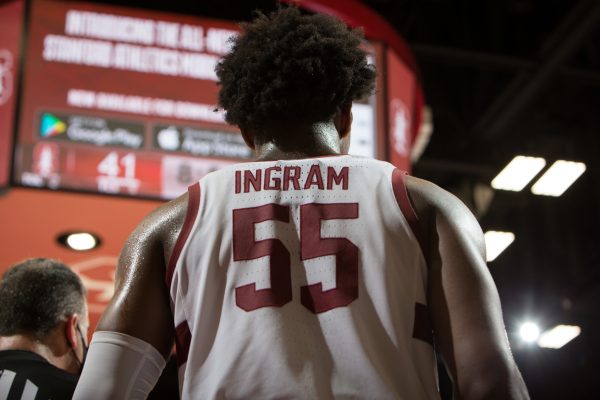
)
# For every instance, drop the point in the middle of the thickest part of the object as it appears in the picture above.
(117, 174)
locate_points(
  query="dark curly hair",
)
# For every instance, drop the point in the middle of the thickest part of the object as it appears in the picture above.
(287, 66)
(37, 294)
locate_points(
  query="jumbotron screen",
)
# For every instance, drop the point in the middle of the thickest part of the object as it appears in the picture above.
(122, 101)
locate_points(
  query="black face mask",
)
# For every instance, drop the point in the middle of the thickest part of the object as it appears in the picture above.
(85, 350)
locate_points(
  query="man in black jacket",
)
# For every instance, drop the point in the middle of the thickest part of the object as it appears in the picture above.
(43, 329)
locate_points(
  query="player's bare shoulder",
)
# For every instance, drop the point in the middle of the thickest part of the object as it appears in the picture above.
(427, 196)
(161, 228)
(432, 204)
(167, 221)
(140, 272)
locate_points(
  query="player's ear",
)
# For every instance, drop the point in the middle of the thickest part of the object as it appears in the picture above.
(71, 330)
(343, 120)
(248, 135)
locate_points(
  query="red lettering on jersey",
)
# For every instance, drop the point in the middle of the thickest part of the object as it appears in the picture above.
(272, 183)
(254, 180)
(183, 339)
(313, 245)
(271, 178)
(238, 182)
(289, 177)
(314, 178)
(341, 178)
(246, 247)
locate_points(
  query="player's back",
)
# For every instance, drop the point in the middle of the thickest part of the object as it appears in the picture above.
(301, 279)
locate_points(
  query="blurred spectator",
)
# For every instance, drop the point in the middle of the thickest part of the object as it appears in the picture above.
(43, 329)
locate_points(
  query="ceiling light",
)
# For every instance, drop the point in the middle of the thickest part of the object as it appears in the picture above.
(558, 178)
(529, 332)
(79, 241)
(496, 242)
(518, 173)
(558, 336)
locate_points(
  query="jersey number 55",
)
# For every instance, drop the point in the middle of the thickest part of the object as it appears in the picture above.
(312, 245)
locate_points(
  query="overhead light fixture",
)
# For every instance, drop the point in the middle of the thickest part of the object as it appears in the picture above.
(529, 332)
(79, 241)
(496, 242)
(558, 178)
(558, 336)
(518, 173)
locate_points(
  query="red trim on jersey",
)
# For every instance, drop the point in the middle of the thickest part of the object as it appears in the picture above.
(183, 338)
(422, 329)
(406, 207)
(188, 223)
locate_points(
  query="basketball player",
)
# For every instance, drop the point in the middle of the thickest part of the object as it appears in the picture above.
(307, 273)
(43, 328)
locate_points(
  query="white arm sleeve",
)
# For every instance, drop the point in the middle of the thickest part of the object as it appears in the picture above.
(119, 366)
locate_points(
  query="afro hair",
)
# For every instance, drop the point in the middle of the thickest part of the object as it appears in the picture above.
(287, 66)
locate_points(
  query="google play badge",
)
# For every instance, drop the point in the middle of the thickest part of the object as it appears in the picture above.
(51, 126)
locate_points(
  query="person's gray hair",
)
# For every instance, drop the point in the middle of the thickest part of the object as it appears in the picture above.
(36, 295)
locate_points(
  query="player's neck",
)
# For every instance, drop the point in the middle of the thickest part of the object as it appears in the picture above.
(313, 140)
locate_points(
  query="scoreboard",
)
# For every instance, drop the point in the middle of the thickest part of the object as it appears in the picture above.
(122, 101)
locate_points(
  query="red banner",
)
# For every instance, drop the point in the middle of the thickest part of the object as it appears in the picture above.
(401, 102)
(11, 21)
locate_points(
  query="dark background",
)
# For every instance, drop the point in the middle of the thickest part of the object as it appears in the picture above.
(508, 77)
(521, 77)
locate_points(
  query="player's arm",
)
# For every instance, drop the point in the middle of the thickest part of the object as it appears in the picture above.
(463, 300)
(135, 334)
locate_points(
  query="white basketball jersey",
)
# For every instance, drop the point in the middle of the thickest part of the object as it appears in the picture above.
(301, 279)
